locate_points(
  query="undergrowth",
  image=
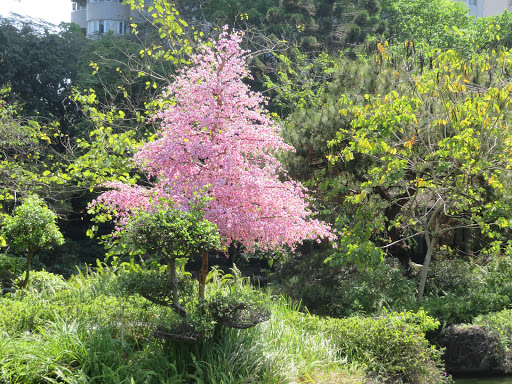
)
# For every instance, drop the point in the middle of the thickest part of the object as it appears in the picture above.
(83, 331)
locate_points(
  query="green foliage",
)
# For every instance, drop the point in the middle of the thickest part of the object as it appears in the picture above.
(40, 65)
(417, 145)
(234, 302)
(493, 32)
(312, 25)
(32, 227)
(500, 325)
(170, 231)
(426, 22)
(46, 282)
(28, 159)
(456, 290)
(86, 333)
(393, 346)
(344, 290)
(153, 284)
(118, 89)
(10, 266)
(237, 13)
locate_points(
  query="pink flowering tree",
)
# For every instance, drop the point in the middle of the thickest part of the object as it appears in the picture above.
(217, 140)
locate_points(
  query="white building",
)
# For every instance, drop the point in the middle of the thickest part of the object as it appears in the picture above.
(102, 16)
(481, 8)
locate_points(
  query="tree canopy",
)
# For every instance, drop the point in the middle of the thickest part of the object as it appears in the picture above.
(217, 140)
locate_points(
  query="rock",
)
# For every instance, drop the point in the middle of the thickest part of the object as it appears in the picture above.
(471, 349)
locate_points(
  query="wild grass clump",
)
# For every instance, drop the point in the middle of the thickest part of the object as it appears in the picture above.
(84, 331)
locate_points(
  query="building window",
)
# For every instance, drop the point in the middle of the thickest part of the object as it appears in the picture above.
(79, 6)
(106, 26)
(101, 1)
(472, 2)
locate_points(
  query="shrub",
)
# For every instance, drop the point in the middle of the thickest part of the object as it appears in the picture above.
(10, 268)
(459, 290)
(234, 302)
(153, 284)
(456, 290)
(393, 347)
(47, 283)
(344, 290)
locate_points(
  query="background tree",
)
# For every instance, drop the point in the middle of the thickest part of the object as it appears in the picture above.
(434, 23)
(40, 66)
(29, 161)
(31, 228)
(437, 162)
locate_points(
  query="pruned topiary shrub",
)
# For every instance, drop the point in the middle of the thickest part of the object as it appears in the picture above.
(234, 313)
(499, 325)
(471, 350)
(197, 327)
(47, 283)
(153, 284)
(31, 228)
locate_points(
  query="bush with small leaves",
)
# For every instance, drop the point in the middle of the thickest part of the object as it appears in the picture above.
(31, 228)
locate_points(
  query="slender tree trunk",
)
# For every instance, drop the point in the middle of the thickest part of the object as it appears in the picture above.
(30, 254)
(432, 239)
(203, 272)
(171, 273)
(431, 245)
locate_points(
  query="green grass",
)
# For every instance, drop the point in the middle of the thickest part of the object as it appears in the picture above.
(83, 331)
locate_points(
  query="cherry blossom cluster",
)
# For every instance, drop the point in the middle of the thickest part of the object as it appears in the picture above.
(217, 139)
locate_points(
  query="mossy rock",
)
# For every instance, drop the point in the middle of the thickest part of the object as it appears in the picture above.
(471, 349)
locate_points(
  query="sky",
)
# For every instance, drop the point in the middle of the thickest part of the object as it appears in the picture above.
(53, 11)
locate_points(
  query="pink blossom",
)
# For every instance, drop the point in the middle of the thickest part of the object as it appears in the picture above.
(216, 138)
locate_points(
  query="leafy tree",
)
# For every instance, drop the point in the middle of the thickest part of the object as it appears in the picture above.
(171, 233)
(432, 22)
(40, 66)
(120, 88)
(28, 159)
(216, 139)
(492, 32)
(437, 160)
(31, 228)
(314, 25)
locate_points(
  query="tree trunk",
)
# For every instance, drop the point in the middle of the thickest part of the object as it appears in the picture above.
(432, 240)
(203, 272)
(424, 270)
(30, 254)
(173, 279)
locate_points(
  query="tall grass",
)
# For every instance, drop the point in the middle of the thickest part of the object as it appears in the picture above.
(83, 331)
